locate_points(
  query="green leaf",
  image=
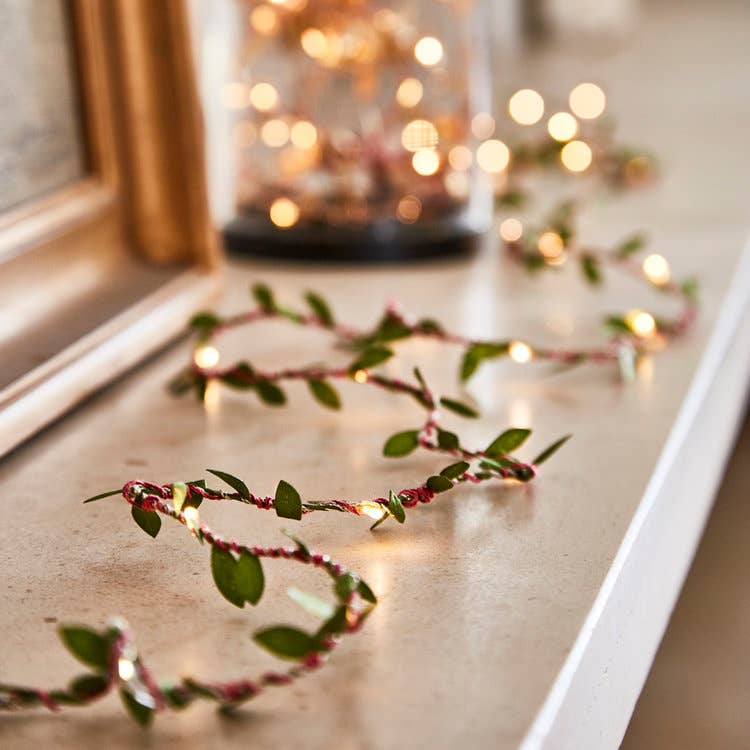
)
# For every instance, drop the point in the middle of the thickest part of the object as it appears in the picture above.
(148, 520)
(324, 393)
(448, 440)
(204, 322)
(179, 493)
(181, 383)
(366, 593)
(320, 307)
(264, 297)
(86, 645)
(454, 471)
(89, 685)
(334, 625)
(459, 408)
(507, 441)
(345, 585)
(401, 444)
(395, 508)
(392, 329)
(301, 546)
(420, 378)
(286, 642)
(690, 289)
(270, 393)
(288, 503)
(548, 452)
(144, 715)
(176, 697)
(617, 324)
(311, 603)
(630, 246)
(477, 353)
(241, 377)
(590, 269)
(236, 484)
(371, 357)
(238, 580)
(429, 327)
(101, 496)
(439, 483)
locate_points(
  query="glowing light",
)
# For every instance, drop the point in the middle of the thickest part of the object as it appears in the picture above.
(576, 156)
(656, 269)
(493, 156)
(409, 92)
(483, 125)
(587, 101)
(551, 245)
(457, 185)
(511, 230)
(360, 376)
(264, 97)
(428, 51)
(409, 209)
(275, 133)
(304, 134)
(236, 95)
(264, 20)
(126, 669)
(520, 352)
(192, 517)
(460, 158)
(206, 356)
(641, 323)
(526, 107)
(284, 213)
(419, 134)
(314, 43)
(371, 509)
(562, 126)
(426, 162)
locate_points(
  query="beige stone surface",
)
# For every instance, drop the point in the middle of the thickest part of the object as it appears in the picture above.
(483, 594)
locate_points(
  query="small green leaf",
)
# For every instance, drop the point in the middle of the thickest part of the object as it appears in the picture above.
(86, 645)
(590, 269)
(286, 642)
(311, 603)
(439, 483)
(454, 471)
(204, 322)
(181, 383)
(448, 440)
(429, 327)
(371, 357)
(420, 378)
(320, 307)
(144, 715)
(238, 580)
(241, 377)
(507, 441)
(288, 503)
(89, 685)
(630, 246)
(264, 297)
(148, 520)
(269, 393)
(395, 507)
(690, 289)
(179, 493)
(366, 593)
(392, 328)
(548, 452)
(236, 484)
(101, 496)
(617, 324)
(176, 697)
(401, 444)
(477, 353)
(459, 408)
(345, 585)
(324, 393)
(335, 624)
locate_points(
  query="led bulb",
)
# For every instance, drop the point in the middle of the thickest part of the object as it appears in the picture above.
(641, 323)
(520, 352)
(656, 269)
(126, 669)
(371, 509)
(206, 356)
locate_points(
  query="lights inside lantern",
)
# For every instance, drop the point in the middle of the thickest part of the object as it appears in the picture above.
(656, 269)
(520, 352)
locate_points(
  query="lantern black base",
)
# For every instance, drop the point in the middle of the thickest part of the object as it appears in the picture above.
(386, 242)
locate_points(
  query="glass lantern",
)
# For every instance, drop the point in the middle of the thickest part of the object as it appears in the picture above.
(353, 128)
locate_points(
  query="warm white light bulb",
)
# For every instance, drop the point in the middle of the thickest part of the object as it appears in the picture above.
(126, 669)
(656, 269)
(520, 352)
(641, 323)
(206, 356)
(428, 51)
(587, 101)
(371, 509)
(526, 107)
(511, 230)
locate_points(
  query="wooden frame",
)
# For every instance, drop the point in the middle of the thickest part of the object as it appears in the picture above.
(143, 203)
